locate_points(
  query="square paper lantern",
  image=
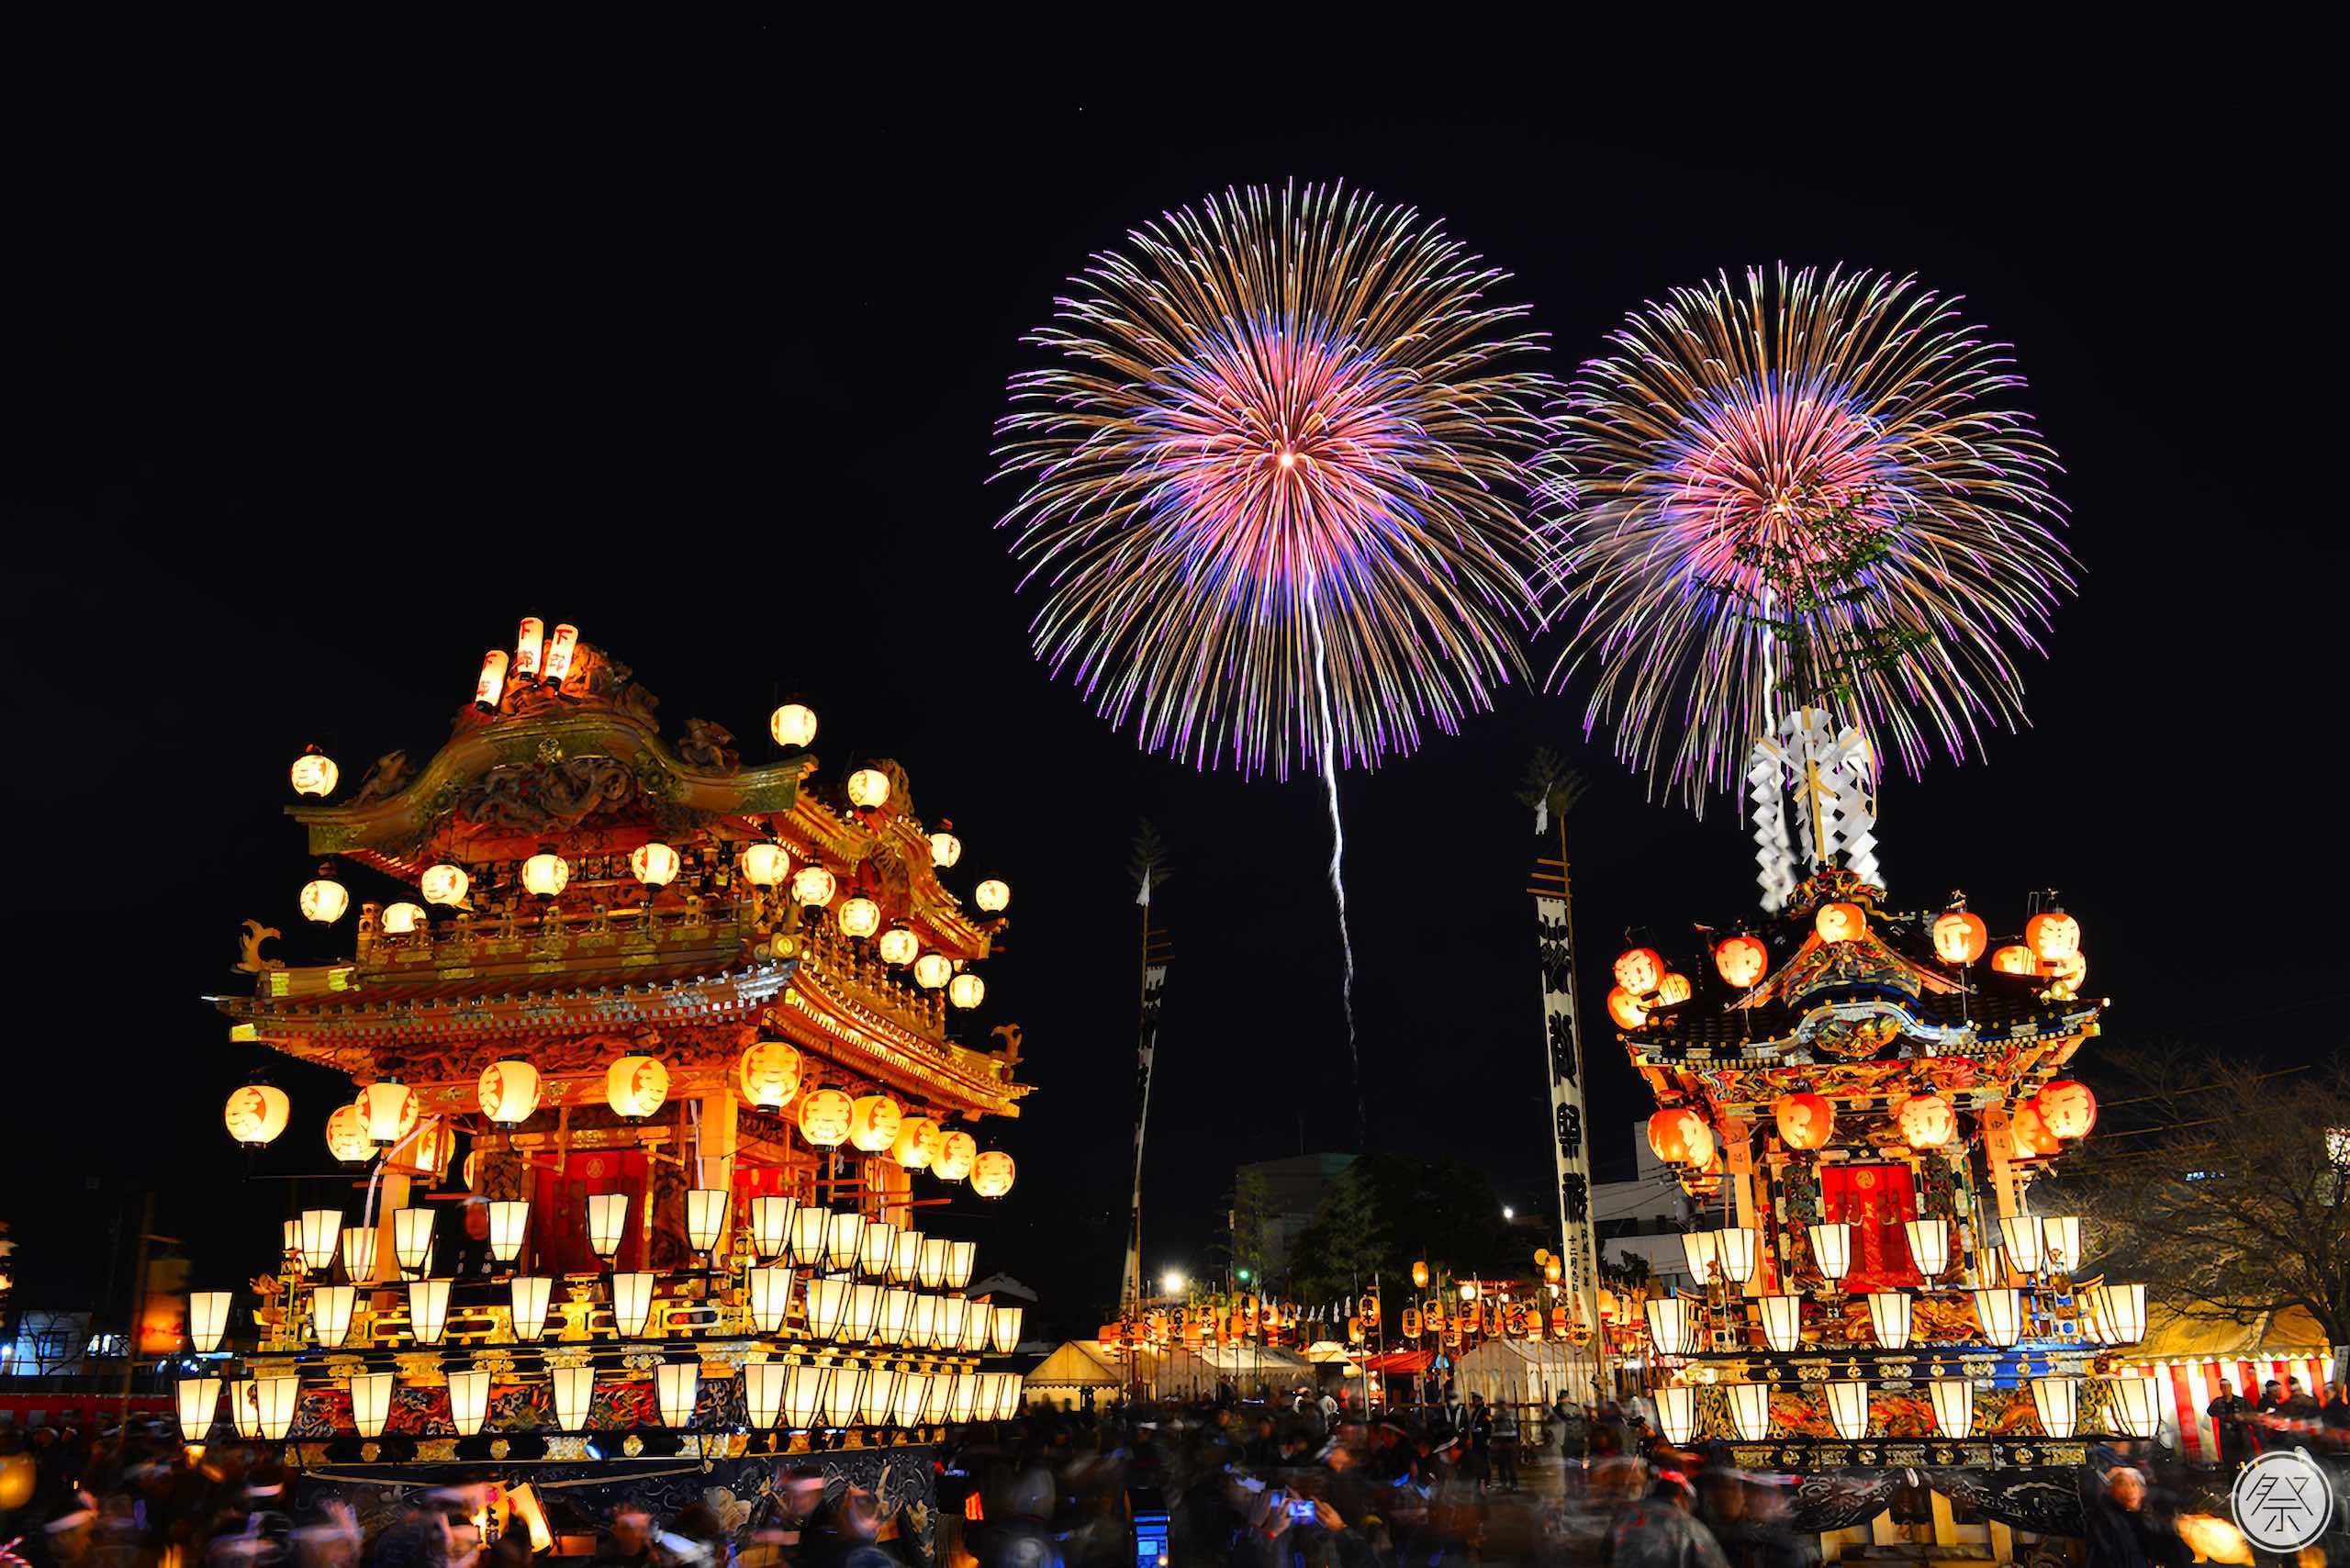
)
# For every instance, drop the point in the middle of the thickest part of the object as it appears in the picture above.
(1953, 1400)
(1847, 1407)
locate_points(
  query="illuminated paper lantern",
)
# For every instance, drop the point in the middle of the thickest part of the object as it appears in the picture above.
(922, 1322)
(1741, 960)
(314, 773)
(509, 1091)
(2013, 959)
(428, 1309)
(1954, 1401)
(899, 945)
(933, 970)
(859, 916)
(880, 1389)
(330, 1311)
(827, 1305)
(1847, 1407)
(917, 1143)
(1929, 1244)
(1625, 1008)
(813, 885)
(574, 1395)
(967, 991)
(490, 685)
(636, 1087)
(767, 865)
(1003, 1328)
(1890, 1318)
(992, 897)
(905, 1258)
(389, 1112)
(862, 1314)
(1734, 1253)
(1959, 936)
(869, 788)
(706, 1217)
(321, 1229)
(370, 1402)
(2060, 1242)
(1673, 1325)
(2000, 1310)
(1638, 969)
(2136, 1403)
(793, 724)
(768, 1074)
(2066, 1107)
(2020, 1234)
(632, 1303)
(412, 1237)
(2121, 1312)
(607, 1221)
(1832, 1248)
(944, 849)
(358, 1254)
(653, 863)
(957, 1152)
(1840, 922)
(1805, 1120)
(677, 1384)
(1926, 1121)
(244, 1408)
(324, 900)
(207, 1319)
(873, 1123)
(803, 1393)
(1676, 1413)
(2057, 1402)
(897, 1313)
(528, 1293)
(992, 1174)
(2052, 935)
(810, 1226)
(763, 1391)
(404, 919)
(1750, 1411)
(530, 646)
(443, 884)
(825, 1118)
(510, 1222)
(912, 1399)
(546, 874)
(771, 1218)
(770, 1293)
(842, 1234)
(932, 1270)
(196, 1401)
(1697, 1251)
(468, 1399)
(875, 1244)
(256, 1113)
(1673, 1134)
(1673, 989)
(560, 648)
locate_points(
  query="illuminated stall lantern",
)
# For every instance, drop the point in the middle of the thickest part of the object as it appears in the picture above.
(509, 1091)
(825, 1116)
(873, 1122)
(636, 1087)
(1741, 960)
(768, 1074)
(992, 1174)
(256, 1115)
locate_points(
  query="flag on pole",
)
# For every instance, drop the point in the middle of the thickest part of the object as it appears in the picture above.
(1143, 898)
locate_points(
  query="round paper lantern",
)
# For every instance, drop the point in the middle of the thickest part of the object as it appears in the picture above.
(509, 1091)
(793, 724)
(944, 849)
(1805, 1120)
(765, 865)
(992, 1174)
(2052, 935)
(2013, 959)
(1673, 989)
(2067, 1107)
(442, 884)
(387, 1110)
(256, 1115)
(769, 1074)
(635, 1087)
(1926, 1121)
(992, 897)
(899, 945)
(1740, 961)
(869, 788)
(967, 991)
(1959, 936)
(917, 1143)
(859, 916)
(403, 919)
(347, 1138)
(1840, 922)
(315, 773)
(813, 885)
(1625, 1008)
(324, 900)
(873, 1123)
(545, 873)
(957, 1153)
(824, 1117)
(933, 970)
(1638, 969)
(1678, 1135)
(2031, 1135)
(654, 864)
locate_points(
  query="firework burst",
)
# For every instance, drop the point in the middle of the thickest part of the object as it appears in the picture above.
(1274, 486)
(1806, 491)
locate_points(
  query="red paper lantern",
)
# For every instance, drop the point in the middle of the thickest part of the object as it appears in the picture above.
(2052, 935)
(2030, 1133)
(1638, 970)
(2013, 959)
(1626, 1009)
(1805, 1120)
(1741, 959)
(1959, 936)
(1672, 991)
(1926, 1121)
(2067, 1107)
(1678, 1135)
(1840, 922)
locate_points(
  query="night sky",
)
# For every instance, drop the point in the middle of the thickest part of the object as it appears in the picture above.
(305, 403)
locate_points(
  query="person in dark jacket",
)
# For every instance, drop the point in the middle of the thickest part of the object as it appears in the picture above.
(2228, 1411)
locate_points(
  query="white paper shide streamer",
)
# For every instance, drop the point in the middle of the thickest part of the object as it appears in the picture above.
(1826, 779)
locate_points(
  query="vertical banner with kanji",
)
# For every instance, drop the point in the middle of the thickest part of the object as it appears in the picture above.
(1563, 1040)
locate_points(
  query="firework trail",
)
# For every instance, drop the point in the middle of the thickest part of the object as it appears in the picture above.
(1824, 472)
(1274, 485)
(1338, 869)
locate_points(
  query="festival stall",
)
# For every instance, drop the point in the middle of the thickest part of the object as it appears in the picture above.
(1077, 1367)
(1521, 1371)
(2187, 1355)
(1255, 1371)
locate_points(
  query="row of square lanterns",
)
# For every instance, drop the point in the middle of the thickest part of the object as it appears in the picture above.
(2033, 1243)
(2111, 1314)
(801, 1395)
(2133, 1404)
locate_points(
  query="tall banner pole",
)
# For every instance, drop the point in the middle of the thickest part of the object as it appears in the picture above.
(1154, 978)
(1563, 1045)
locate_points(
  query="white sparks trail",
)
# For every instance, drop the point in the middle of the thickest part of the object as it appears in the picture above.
(1338, 857)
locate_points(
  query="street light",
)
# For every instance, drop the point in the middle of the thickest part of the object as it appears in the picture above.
(1173, 1283)
(1508, 1213)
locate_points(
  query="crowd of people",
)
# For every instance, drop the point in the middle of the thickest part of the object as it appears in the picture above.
(1307, 1479)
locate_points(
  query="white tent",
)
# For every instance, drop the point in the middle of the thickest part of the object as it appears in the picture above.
(1062, 1378)
(1522, 1371)
(1187, 1373)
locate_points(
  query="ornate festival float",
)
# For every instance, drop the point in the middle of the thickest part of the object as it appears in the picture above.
(1805, 528)
(655, 1057)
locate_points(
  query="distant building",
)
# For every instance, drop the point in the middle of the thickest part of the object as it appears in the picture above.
(1644, 1218)
(1295, 1189)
